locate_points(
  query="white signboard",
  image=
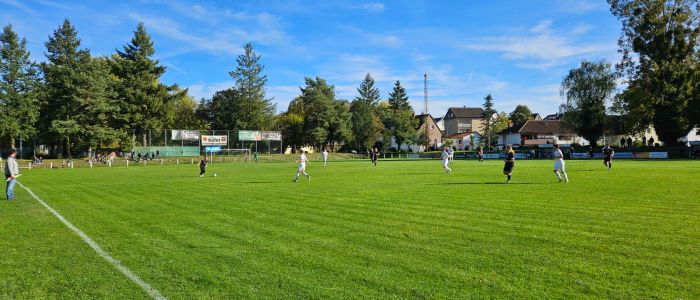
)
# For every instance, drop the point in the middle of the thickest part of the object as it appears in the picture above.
(214, 140)
(184, 135)
(658, 154)
(271, 135)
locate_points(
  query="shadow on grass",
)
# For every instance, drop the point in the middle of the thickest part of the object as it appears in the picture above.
(481, 183)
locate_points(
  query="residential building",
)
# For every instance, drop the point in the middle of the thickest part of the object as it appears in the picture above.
(425, 122)
(463, 120)
(440, 123)
(466, 140)
(541, 132)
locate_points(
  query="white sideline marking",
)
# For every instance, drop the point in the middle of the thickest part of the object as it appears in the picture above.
(133, 277)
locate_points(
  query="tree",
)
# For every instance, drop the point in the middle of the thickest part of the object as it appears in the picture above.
(587, 89)
(340, 124)
(489, 126)
(146, 104)
(79, 103)
(660, 62)
(402, 122)
(398, 99)
(366, 124)
(368, 92)
(186, 116)
(520, 115)
(19, 88)
(317, 101)
(255, 111)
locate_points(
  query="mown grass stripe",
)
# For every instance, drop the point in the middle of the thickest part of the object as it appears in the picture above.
(128, 273)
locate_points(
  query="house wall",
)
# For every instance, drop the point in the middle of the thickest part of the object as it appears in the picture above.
(452, 125)
(509, 139)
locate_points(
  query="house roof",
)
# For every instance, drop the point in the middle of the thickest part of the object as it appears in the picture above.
(541, 126)
(466, 112)
(553, 117)
(437, 120)
(511, 129)
(459, 136)
(536, 116)
(421, 119)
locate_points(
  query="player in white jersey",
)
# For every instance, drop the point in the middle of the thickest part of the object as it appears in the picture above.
(559, 165)
(445, 160)
(302, 166)
(325, 156)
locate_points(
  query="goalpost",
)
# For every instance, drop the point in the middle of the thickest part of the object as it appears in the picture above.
(245, 153)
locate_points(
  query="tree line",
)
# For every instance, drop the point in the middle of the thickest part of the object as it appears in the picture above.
(659, 72)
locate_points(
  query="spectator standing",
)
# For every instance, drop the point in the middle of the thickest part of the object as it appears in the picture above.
(11, 173)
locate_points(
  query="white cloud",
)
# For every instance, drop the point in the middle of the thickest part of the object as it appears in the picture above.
(17, 4)
(542, 47)
(224, 41)
(374, 7)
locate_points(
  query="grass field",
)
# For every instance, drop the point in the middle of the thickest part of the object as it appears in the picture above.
(402, 229)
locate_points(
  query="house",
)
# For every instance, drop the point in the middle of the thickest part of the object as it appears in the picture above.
(554, 117)
(615, 131)
(440, 123)
(466, 140)
(463, 120)
(693, 137)
(510, 135)
(536, 117)
(425, 122)
(542, 132)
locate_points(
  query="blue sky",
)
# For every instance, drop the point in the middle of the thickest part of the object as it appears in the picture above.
(518, 51)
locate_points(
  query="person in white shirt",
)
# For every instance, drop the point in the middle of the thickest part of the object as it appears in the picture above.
(325, 156)
(11, 173)
(451, 153)
(559, 165)
(445, 160)
(302, 166)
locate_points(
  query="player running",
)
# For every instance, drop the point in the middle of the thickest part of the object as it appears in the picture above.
(203, 166)
(608, 154)
(302, 166)
(559, 165)
(324, 154)
(374, 153)
(446, 160)
(509, 162)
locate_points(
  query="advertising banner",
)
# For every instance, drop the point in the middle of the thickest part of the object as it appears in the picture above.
(271, 135)
(184, 135)
(248, 135)
(212, 149)
(214, 140)
(658, 154)
(623, 155)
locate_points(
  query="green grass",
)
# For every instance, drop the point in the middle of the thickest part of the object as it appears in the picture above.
(402, 229)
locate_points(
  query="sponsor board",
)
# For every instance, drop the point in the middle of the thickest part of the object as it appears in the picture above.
(271, 136)
(184, 135)
(212, 149)
(214, 140)
(251, 135)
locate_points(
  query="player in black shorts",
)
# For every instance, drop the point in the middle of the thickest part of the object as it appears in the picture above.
(509, 162)
(203, 166)
(608, 154)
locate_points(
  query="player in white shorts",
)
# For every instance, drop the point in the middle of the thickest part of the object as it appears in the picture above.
(325, 156)
(559, 165)
(302, 167)
(446, 160)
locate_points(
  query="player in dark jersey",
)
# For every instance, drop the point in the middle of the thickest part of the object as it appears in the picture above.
(203, 166)
(608, 154)
(509, 162)
(375, 156)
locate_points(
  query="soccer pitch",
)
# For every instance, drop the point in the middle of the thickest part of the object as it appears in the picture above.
(402, 229)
